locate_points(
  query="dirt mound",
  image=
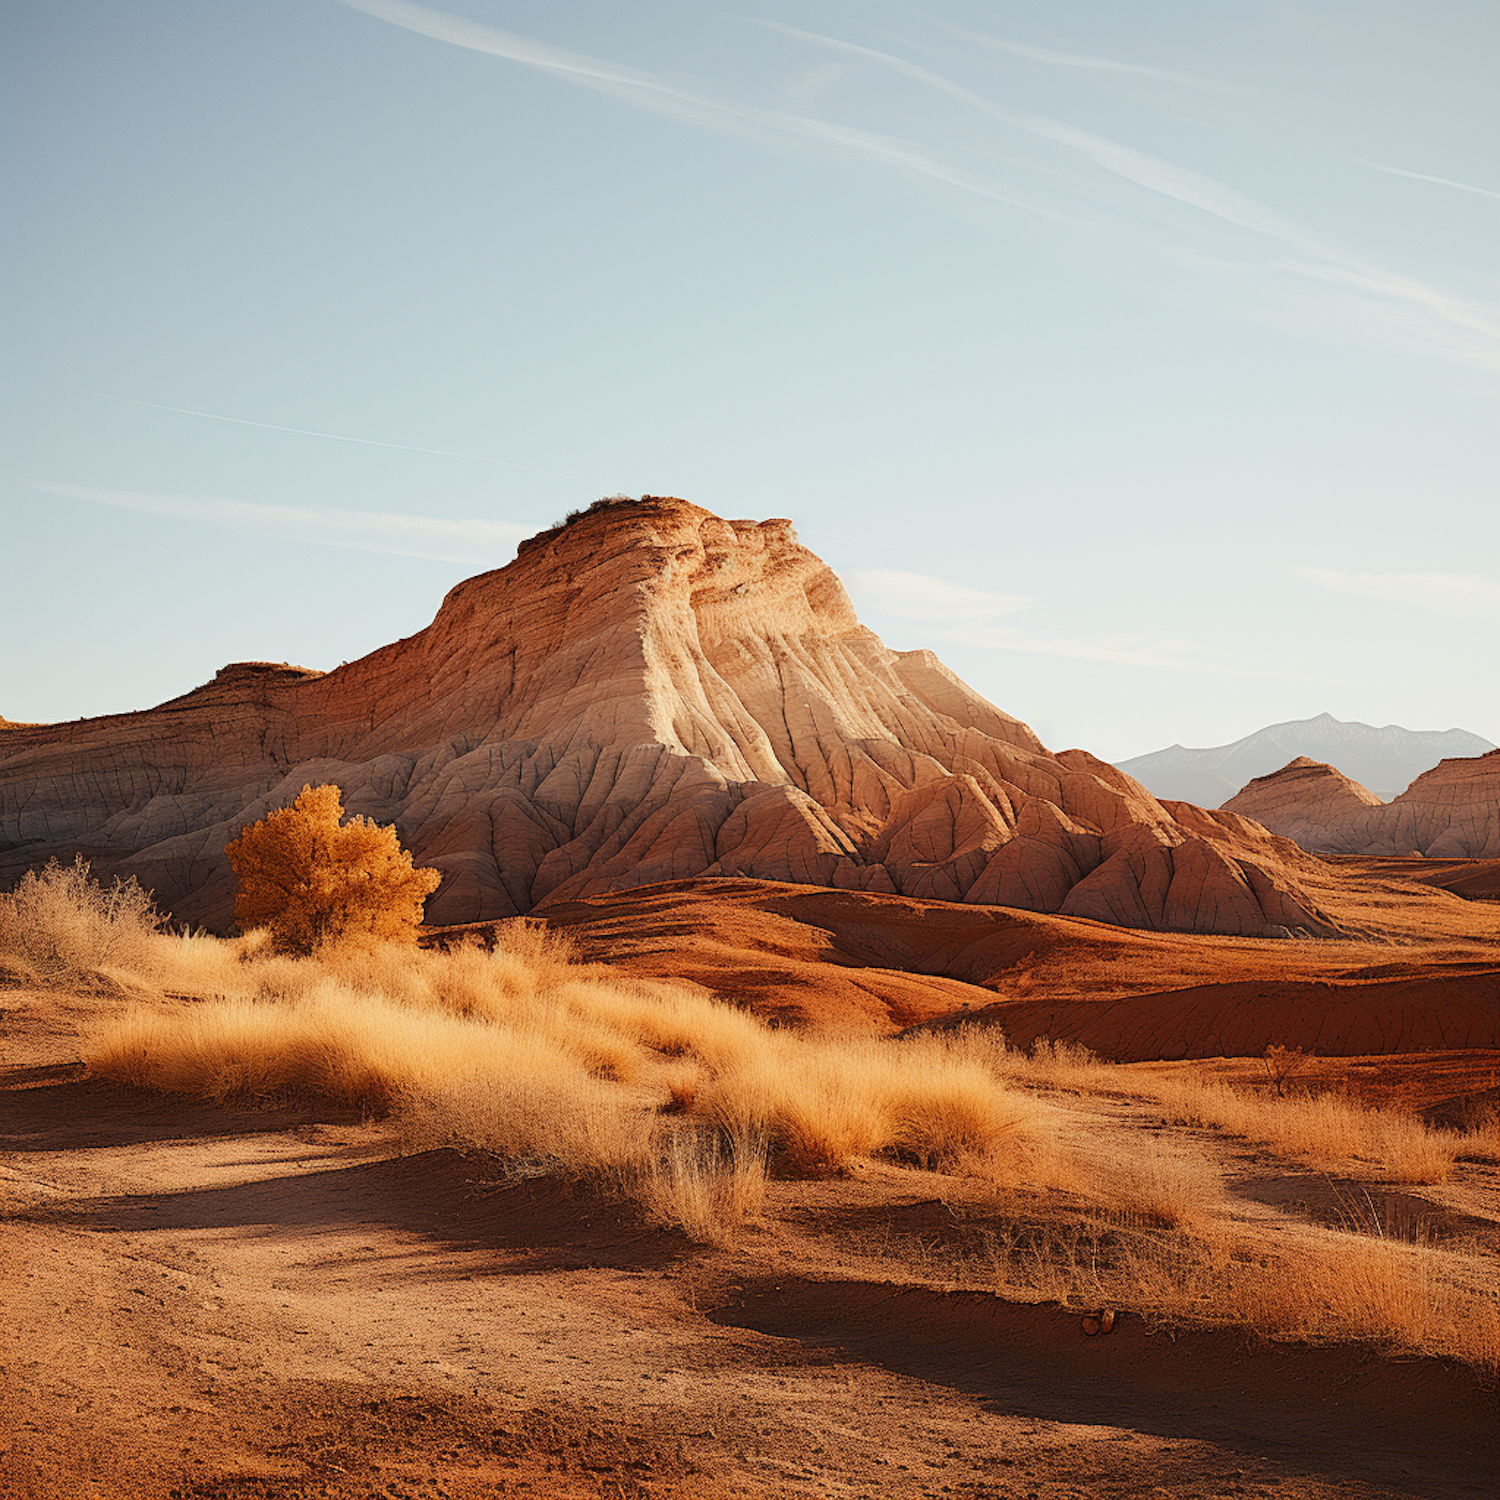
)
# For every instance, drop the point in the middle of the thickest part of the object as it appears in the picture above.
(839, 958)
(1243, 1018)
(1425, 1083)
(646, 693)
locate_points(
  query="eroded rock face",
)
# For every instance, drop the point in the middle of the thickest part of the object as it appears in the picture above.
(1449, 812)
(1306, 801)
(646, 694)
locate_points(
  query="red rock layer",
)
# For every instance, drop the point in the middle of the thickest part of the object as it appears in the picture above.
(647, 693)
(1449, 812)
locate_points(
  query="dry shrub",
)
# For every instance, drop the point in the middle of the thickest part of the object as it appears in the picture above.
(311, 881)
(62, 927)
(704, 1182)
(1283, 1064)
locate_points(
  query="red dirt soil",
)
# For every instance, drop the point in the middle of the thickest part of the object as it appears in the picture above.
(1426, 977)
(1473, 879)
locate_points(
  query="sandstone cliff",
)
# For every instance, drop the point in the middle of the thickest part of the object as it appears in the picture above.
(1449, 812)
(646, 693)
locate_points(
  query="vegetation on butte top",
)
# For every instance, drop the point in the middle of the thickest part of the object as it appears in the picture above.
(648, 692)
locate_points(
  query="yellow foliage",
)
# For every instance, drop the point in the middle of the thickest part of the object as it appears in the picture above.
(313, 882)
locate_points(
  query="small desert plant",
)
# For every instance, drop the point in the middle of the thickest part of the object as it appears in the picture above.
(1283, 1064)
(312, 880)
(706, 1183)
(64, 927)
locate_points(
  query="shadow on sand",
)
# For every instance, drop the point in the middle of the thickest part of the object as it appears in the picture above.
(539, 1224)
(1424, 1427)
(55, 1109)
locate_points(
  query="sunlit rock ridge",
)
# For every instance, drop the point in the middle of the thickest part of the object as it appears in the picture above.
(646, 693)
(1449, 812)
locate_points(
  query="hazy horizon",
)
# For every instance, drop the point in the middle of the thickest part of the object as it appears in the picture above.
(1140, 365)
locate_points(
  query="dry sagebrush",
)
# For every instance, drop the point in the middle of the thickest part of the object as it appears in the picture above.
(545, 1065)
(62, 927)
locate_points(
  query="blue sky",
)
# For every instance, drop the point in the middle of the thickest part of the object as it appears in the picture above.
(1140, 360)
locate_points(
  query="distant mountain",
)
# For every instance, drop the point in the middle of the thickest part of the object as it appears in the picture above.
(1385, 760)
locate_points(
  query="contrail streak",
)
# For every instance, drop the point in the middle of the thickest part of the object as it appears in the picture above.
(1463, 187)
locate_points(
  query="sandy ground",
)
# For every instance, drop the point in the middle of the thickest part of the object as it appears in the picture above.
(217, 1302)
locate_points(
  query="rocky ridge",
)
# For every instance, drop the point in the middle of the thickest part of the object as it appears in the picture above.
(1450, 812)
(646, 693)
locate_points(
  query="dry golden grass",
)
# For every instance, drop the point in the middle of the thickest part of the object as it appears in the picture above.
(545, 1065)
(1323, 1131)
(685, 1105)
(1320, 1131)
(1326, 1287)
(62, 927)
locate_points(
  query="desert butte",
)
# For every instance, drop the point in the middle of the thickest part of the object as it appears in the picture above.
(808, 1085)
(1451, 811)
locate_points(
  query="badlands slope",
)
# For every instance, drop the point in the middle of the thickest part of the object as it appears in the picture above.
(1305, 801)
(647, 693)
(1450, 812)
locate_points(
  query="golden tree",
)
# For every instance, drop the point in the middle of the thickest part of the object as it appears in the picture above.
(312, 881)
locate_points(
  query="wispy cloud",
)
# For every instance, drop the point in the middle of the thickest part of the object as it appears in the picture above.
(339, 437)
(916, 596)
(1464, 595)
(1463, 187)
(1135, 166)
(475, 543)
(1074, 59)
(1384, 294)
(1344, 296)
(961, 616)
(629, 84)
(643, 91)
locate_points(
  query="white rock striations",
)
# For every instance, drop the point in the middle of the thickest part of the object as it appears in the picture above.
(647, 693)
